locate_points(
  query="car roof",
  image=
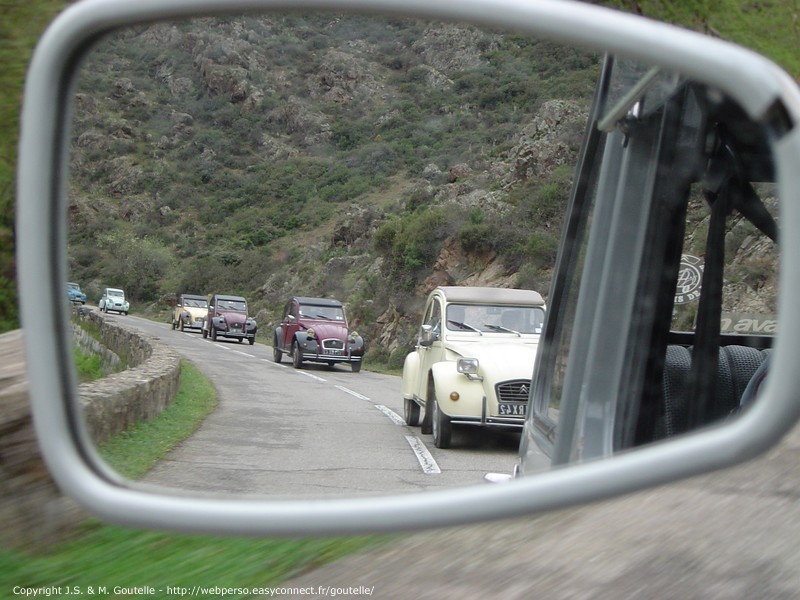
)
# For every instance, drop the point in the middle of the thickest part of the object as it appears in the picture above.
(318, 301)
(491, 295)
(225, 297)
(195, 296)
(114, 290)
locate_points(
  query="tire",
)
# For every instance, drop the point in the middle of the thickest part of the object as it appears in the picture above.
(297, 356)
(411, 412)
(356, 366)
(204, 331)
(442, 429)
(277, 355)
(252, 340)
(181, 324)
(213, 334)
(173, 324)
(427, 419)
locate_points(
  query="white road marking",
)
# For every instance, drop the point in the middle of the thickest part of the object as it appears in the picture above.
(272, 363)
(351, 392)
(244, 353)
(424, 457)
(311, 375)
(393, 416)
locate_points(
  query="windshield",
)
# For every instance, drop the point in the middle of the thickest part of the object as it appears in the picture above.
(239, 305)
(194, 303)
(116, 293)
(495, 318)
(328, 313)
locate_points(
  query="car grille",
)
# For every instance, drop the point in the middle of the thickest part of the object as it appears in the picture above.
(513, 391)
(333, 344)
(235, 326)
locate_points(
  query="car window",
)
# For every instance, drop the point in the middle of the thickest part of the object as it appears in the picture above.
(232, 305)
(433, 316)
(316, 311)
(495, 318)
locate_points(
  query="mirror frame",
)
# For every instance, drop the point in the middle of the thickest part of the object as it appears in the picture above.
(762, 89)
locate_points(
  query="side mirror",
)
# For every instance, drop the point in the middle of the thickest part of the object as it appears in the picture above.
(677, 120)
(427, 335)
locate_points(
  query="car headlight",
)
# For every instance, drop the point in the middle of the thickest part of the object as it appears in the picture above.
(310, 333)
(467, 366)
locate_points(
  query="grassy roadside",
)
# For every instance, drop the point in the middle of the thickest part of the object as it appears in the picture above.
(104, 556)
(134, 451)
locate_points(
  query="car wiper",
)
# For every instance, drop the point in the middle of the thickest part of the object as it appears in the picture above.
(500, 328)
(323, 317)
(461, 325)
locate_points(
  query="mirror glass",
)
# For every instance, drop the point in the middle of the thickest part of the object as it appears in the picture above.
(273, 198)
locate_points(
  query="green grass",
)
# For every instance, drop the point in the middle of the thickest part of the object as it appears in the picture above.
(89, 366)
(108, 556)
(134, 451)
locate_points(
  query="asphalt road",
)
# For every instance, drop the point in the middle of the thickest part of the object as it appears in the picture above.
(311, 432)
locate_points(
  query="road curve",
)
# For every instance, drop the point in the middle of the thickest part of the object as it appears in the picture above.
(311, 432)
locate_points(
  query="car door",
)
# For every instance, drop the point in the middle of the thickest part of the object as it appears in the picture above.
(430, 343)
(291, 324)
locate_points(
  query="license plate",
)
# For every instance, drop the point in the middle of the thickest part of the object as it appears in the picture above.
(514, 410)
(333, 351)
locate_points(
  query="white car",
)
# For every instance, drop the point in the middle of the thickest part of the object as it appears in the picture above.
(473, 362)
(114, 300)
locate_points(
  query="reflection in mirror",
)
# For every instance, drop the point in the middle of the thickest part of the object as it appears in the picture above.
(266, 162)
(362, 159)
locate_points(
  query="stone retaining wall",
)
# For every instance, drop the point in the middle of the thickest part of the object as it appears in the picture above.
(139, 393)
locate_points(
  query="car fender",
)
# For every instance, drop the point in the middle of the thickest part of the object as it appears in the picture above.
(410, 374)
(306, 343)
(447, 380)
(357, 346)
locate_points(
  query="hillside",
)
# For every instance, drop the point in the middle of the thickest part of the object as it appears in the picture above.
(769, 27)
(358, 158)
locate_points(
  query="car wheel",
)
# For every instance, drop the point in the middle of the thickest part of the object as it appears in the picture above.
(182, 325)
(213, 334)
(171, 322)
(356, 366)
(277, 355)
(442, 429)
(410, 412)
(297, 356)
(252, 340)
(204, 331)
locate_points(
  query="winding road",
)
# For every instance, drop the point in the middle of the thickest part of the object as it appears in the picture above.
(311, 432)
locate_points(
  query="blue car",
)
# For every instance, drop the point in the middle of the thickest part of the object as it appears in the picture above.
(74, 293)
